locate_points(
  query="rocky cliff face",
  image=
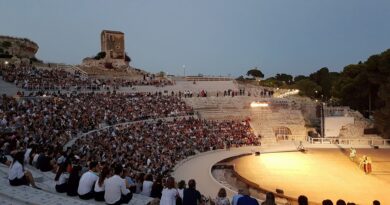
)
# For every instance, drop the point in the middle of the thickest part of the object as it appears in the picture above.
(18, 47)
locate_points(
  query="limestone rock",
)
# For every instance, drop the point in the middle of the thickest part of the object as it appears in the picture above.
(18, 47)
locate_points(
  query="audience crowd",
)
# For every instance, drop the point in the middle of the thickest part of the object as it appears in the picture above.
(35, 130)
(56, 119)
(31, 78)
(112, 164)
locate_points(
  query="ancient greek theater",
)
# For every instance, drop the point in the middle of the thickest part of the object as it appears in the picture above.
(261, 152)
(194, 102)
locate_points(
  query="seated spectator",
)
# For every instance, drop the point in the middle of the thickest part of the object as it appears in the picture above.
(99, 185)
(376, 202)
(169, 193)
(147, 185)
(302, 200)
(130, 184)
(17, 175)
(221, 198)
(327, 202)
(246, 199)
(87, 182)
(44, 162)
(269, 199)
(191, 196)
(139, 182)
(61, 178)
(157, 188)
(73, 181)
(341, 202)
(115, 189)
(3, 158)
(237, 196)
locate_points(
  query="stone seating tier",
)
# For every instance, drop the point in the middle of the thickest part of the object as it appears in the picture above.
(47, 196)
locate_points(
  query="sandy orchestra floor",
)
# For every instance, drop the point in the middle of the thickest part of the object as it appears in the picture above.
(321, 174)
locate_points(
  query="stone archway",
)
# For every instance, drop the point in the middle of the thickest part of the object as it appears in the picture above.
(282, 133)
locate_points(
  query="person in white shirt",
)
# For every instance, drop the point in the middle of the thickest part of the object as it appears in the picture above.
(169, 193)
(147, 185)
(180, 188)
(16, 175)
(221, 199)
(87, 181)
(61, 178)
(100, 184)
(115, 189)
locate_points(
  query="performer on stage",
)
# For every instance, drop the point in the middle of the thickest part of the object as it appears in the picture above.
(300, 147)
(352, 154)
(366, 165)
(369, 165)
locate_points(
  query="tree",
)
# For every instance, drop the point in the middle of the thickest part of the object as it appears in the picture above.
(325, 79)
(6, 44)
(288, 79)
(382, 115)
(271, 82)
(240, 78)
(255, 73)
(363, 87)
(100, 55)
(127, 58)
(308, 88)
(299, 77)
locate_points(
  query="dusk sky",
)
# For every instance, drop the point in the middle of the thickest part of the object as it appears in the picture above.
(212, 37)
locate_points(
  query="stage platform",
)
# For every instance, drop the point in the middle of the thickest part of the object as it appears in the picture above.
(320, 174)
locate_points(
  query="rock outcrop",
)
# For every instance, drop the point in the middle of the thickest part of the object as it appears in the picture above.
(18, 47)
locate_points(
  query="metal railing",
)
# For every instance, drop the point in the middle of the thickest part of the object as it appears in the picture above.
(349, 141)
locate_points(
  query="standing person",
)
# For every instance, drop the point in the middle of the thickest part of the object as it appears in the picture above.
(365, 164)
(180, 188)
(352, 154)
(269, 199)
(157, 188)
(17, 175)
(115, 189)
(237, 196)
(169, 193)
(191, 196)
(246, 199)
(369, 165)
(87, 182)
(99, 185)
(221, 198)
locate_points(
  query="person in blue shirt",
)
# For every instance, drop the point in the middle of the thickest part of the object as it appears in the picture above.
(246, 199)
(237, 196)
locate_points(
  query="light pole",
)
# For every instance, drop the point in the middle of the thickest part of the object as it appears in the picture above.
(184, 68)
